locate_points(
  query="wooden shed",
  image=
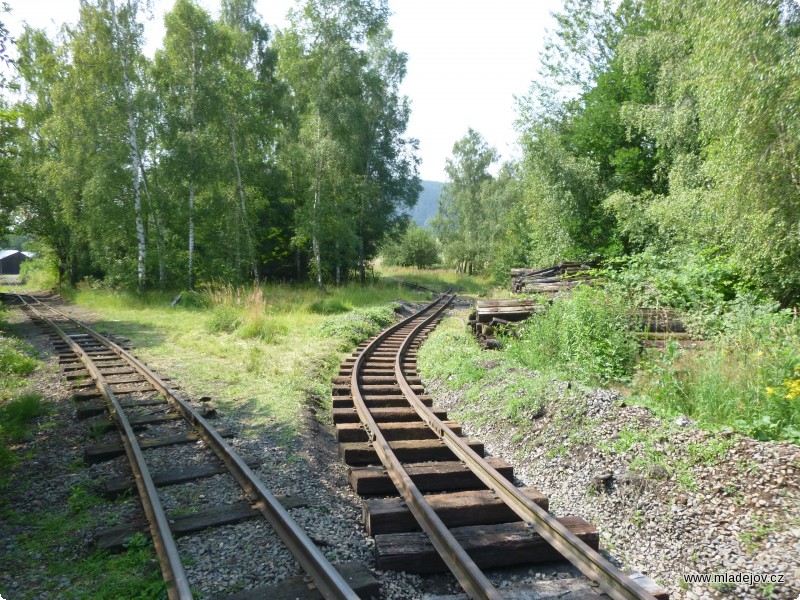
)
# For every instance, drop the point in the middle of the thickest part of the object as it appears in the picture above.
(10, 260)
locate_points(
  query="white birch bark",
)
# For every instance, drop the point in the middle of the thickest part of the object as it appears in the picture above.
(243, 207)
(136, 161)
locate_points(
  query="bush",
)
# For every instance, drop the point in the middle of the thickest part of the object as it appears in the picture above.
(13, 360)
(358, 325)
(747, 378)
(417, 247)
(40, 272)
(586, 336)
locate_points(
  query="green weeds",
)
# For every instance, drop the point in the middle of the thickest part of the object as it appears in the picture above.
(585, 336)
(746, 379)
(453, 356)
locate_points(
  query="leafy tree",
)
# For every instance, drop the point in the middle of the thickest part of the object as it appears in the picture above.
(351, 171)
(462, 219)
(417, 247)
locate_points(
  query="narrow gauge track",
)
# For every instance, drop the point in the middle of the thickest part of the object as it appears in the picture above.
(396, 427)
(118, 376)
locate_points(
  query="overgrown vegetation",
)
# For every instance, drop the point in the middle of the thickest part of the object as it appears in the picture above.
(654, 145)
(18, 408)
(55, 538)
(587, 336)
(264, 349)
(746, 379)
(237, 152)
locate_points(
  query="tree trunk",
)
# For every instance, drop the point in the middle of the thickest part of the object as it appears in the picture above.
(245, 225)
(362, 275)
(134, 151)
(192, 166)
(155, 211)
(315, 216)
(191, 234)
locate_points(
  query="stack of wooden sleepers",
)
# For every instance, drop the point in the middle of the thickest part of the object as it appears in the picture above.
(550, 280)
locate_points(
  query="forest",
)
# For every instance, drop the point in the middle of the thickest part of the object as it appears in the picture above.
(662, 136)
(236, 154)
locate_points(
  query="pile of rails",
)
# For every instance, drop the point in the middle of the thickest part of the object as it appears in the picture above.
(551, 280)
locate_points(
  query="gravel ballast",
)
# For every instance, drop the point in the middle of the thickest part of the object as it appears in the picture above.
(669, 498)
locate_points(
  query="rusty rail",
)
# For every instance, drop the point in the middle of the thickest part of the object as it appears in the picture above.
(612, 581)
(326, 578)
(471, 578)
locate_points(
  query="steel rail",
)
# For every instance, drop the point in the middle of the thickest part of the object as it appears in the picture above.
(177, 582)
(471, 578)
(326, 578)
(590, 562)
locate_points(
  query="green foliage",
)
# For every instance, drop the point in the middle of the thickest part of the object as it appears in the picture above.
(14, 357)
(358, 325)
(586, 336)
(417, 247)
(474, 206)
(328, 306)
(696, 281)
(674, 138)
(40, 272)
(747, 378)
(223, 319)
(230, 156)
(453, 356)
(15, 419)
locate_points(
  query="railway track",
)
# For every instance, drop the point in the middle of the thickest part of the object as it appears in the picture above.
(473, 517)
(111, 382)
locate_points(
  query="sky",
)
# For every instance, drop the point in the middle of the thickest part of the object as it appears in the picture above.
(467, 60)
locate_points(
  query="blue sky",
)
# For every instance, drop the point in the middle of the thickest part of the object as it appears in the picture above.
(467, 59)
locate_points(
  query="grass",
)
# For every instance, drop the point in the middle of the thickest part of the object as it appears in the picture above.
(274, 350)
(746, 379)
(515, 394)
(54, 538)
(585, 336)
(18, 408)
(265, 350)
(499, 387)
(439, 279)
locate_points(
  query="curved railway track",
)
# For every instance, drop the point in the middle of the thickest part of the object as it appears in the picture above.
(131, 392)
(383, 418)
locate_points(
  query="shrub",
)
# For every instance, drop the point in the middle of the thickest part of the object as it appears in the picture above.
(747, 378)
(358, 325)
(13, 360)
(586, 336)
(417, 247)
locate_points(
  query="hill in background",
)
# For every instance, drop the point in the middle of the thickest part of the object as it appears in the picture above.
(428, 202)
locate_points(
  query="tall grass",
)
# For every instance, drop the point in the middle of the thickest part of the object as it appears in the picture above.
(586, 336)
(15, 418)
(13, 357)
(438, 279)
(747, 379)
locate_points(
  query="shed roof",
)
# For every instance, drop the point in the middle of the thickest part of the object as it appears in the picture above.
(12, 252)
